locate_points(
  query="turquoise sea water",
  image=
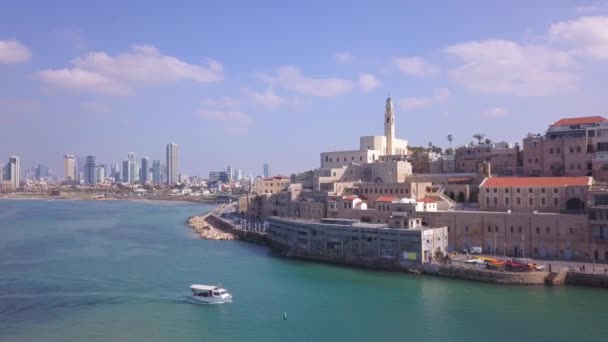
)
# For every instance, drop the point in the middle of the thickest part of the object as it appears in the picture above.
(120, 271)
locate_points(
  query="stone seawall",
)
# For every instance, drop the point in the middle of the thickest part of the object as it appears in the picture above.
(227, 227)
(595, 280)
(488, 276)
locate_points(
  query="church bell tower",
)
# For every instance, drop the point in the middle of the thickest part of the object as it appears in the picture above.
(389, 127)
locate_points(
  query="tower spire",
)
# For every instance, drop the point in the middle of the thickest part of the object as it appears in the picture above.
(389, 126)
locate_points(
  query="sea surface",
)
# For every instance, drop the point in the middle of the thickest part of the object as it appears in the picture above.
(120, 271)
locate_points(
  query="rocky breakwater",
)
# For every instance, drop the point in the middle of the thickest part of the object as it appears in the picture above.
(207, 231)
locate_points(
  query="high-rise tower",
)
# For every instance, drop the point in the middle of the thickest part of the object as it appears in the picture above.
(172, 164)
(69, 167)
(389, 127)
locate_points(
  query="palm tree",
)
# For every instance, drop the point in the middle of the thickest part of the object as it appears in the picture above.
(430, 146)
(479, 137)
(450, 138)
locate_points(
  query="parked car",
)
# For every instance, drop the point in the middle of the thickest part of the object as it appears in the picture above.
(517, 265)
(472, 250)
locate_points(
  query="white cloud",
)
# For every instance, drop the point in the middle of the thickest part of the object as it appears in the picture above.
(367, 82)
(291, 78)
(505, 67)
(82, 80)
(408, 104)
(587, 35)
(13, 52)
(219, 102)
(117, 75)
(593, 8)
(343, 57)
(416, 66)
(495, 112)
(95, 107)
(230, 116)
(267, 98)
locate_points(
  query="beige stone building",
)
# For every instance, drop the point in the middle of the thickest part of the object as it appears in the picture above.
(502, 156)
(528, 194)
(271, 185)
(570, 147)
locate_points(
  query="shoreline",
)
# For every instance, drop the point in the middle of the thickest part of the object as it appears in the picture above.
(206, 230)
(94, 198)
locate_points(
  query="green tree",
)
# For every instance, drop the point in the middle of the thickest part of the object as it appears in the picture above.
(479, 137)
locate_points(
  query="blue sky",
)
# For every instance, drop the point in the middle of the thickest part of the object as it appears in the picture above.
(240, 83)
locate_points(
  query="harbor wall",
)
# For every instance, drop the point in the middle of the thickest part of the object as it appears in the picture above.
(584, 279)
(251, 236)
(487, 276)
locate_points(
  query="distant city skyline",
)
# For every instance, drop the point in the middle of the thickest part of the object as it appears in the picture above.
(233, 99)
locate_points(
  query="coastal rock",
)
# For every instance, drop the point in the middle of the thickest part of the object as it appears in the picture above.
(207, 231)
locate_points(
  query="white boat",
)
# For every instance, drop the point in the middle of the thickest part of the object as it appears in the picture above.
(210, 294)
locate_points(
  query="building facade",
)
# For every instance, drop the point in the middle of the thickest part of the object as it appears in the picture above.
(172, 163)
(69, 167)
(90, 172)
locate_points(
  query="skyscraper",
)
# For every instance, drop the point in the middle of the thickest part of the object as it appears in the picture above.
(238, 175)
(12, 171)
(267, 169)
(145, 170)
(90, 172)
(126, 171)
(156, 173)
(172, 163)
(134, 169)
(100, 173)
(230, 172)
(80, 168)
(69, 167)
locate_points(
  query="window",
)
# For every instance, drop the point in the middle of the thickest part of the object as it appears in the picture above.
(542, 190)
(554, 190)
(535, 250)
(495, 190)
(518, 201)
(506, 200)
(571, 230)
(556, 202)
(495, 201)
(518, 190)
(578, 149)
(519, 229)
(551, 150)
(537, 230)
(487, 191)
(466, 228)
(530, 190)
(530, 201)
(548, 229)
(448, 229)
(542, 201)
(511, 229)
(489, 229)
(506, 190)
(487, 201)
(496, 229)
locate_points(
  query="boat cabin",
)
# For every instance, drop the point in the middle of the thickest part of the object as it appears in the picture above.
(207, 291)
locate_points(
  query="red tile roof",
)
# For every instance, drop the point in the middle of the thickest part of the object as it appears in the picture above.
(535, 181)
(387, 199)
(350, 198)
(579, 121)
(426, 200)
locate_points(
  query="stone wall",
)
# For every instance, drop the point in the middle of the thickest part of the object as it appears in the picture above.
(488, 276)
(596, 280)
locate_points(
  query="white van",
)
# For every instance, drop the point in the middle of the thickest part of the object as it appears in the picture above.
(472, 250)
